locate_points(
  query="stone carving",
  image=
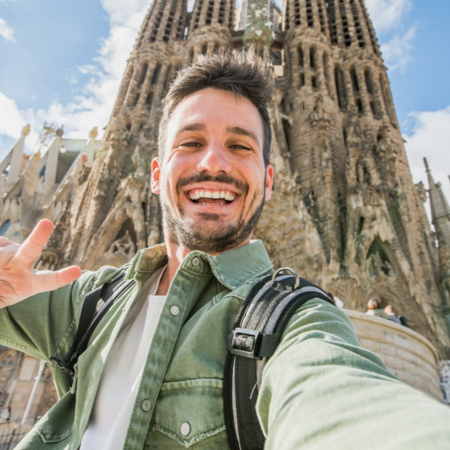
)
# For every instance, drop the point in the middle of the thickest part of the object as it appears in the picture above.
(26, 130)
(124, 246)
(93, 133)
(421, 192)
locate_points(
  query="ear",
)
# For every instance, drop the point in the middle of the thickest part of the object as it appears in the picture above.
(269, 181)
(156, 174)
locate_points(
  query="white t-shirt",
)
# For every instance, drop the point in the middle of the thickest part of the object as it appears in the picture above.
(120, 380)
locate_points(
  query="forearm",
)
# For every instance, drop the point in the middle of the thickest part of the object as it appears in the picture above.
(322, 390)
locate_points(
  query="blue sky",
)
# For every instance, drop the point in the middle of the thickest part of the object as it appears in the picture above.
(62, 62)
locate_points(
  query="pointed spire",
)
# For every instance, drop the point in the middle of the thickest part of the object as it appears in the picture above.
(259, 31)
(14, 158)
(440, 209)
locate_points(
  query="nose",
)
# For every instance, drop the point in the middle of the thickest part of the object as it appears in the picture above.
(214, 159)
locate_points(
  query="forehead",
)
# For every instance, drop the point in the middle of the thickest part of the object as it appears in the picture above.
(216, 108)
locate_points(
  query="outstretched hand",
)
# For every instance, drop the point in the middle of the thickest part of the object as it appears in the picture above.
(18, 279)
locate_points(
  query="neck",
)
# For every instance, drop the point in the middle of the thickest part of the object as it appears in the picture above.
(176, 253)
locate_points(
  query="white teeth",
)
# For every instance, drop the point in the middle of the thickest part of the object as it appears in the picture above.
(196, 195)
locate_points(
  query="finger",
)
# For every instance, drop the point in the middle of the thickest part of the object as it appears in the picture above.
(4, 241)
(50, 281)
(7, 253)
(31, 249)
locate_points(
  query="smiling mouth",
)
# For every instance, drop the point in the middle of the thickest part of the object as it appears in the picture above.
(206, 197)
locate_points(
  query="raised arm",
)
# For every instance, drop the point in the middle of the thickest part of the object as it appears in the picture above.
(18, 279)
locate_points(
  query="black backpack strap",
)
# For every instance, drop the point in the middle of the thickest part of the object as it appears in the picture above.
(96, 304)
(256, 334)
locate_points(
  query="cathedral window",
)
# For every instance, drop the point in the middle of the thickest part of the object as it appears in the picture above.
(314, 82)
(297, 13)
(135, 99)
(340, 87)
(373, 39)
(312, 57)
(286, 17)
(358, 28)
(143, 73)
(332, 20)
(4, 228)
(221, 11)
(309, 14)
(354, 78)
(325, 69)
(322, 17)
(302, 79)
(149, 99)
(156, 73)
(287, 133)
(300, 56)
(345, 27)
(204, 48)
(369, 83)
(359, 105)
(169, 77)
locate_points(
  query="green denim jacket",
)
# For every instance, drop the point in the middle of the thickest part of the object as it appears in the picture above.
(320, 390)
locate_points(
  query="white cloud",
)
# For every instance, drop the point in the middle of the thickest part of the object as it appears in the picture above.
(396, 37)
(430, 138)
(94, 100)
(6, 31)
(397, 51)
(386, 15)
(12, 120)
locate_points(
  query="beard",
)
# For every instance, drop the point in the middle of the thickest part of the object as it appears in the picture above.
(209, 233)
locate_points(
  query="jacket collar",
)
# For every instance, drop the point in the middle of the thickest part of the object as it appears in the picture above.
(231, 268)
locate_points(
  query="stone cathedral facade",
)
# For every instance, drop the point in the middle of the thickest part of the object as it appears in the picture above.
(345, 212)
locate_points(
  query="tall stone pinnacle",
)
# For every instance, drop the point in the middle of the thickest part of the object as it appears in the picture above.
(258, 33)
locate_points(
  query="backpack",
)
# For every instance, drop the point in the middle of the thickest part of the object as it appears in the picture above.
(256, 333)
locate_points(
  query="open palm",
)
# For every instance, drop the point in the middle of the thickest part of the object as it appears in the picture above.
(18, 279)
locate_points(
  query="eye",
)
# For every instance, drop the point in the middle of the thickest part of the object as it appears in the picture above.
(240, 147)
(190, 144)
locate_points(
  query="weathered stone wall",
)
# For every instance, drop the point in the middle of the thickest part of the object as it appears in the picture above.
(405, 353)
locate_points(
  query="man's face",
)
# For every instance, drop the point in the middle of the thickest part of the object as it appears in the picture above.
(212, 180)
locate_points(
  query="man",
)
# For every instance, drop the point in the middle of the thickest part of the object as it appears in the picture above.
(374, 309)
(151, 376)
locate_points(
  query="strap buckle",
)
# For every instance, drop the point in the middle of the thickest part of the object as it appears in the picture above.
(244, 342)
(287, 269)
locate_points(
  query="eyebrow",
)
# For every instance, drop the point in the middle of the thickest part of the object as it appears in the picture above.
(192, 127)
(243, 132)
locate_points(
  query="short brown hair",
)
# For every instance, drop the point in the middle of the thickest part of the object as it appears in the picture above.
(244, 74)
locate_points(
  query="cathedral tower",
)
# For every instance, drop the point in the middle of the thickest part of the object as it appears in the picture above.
(345, 212)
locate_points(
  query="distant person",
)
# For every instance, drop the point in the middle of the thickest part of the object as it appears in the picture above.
(390, 311)
(374, 309)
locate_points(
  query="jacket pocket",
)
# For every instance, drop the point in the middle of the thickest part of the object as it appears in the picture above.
(190, 411)
(57, 424)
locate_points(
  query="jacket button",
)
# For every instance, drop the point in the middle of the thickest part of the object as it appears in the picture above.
(195, 261)
(174, 310)
(185, 429)
(146, 405)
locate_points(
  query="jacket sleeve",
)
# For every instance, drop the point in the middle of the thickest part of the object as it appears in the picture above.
(322, 390)
(43, 324)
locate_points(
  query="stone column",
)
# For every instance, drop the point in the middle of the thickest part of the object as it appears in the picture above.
(51, 166)
(16, 160)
